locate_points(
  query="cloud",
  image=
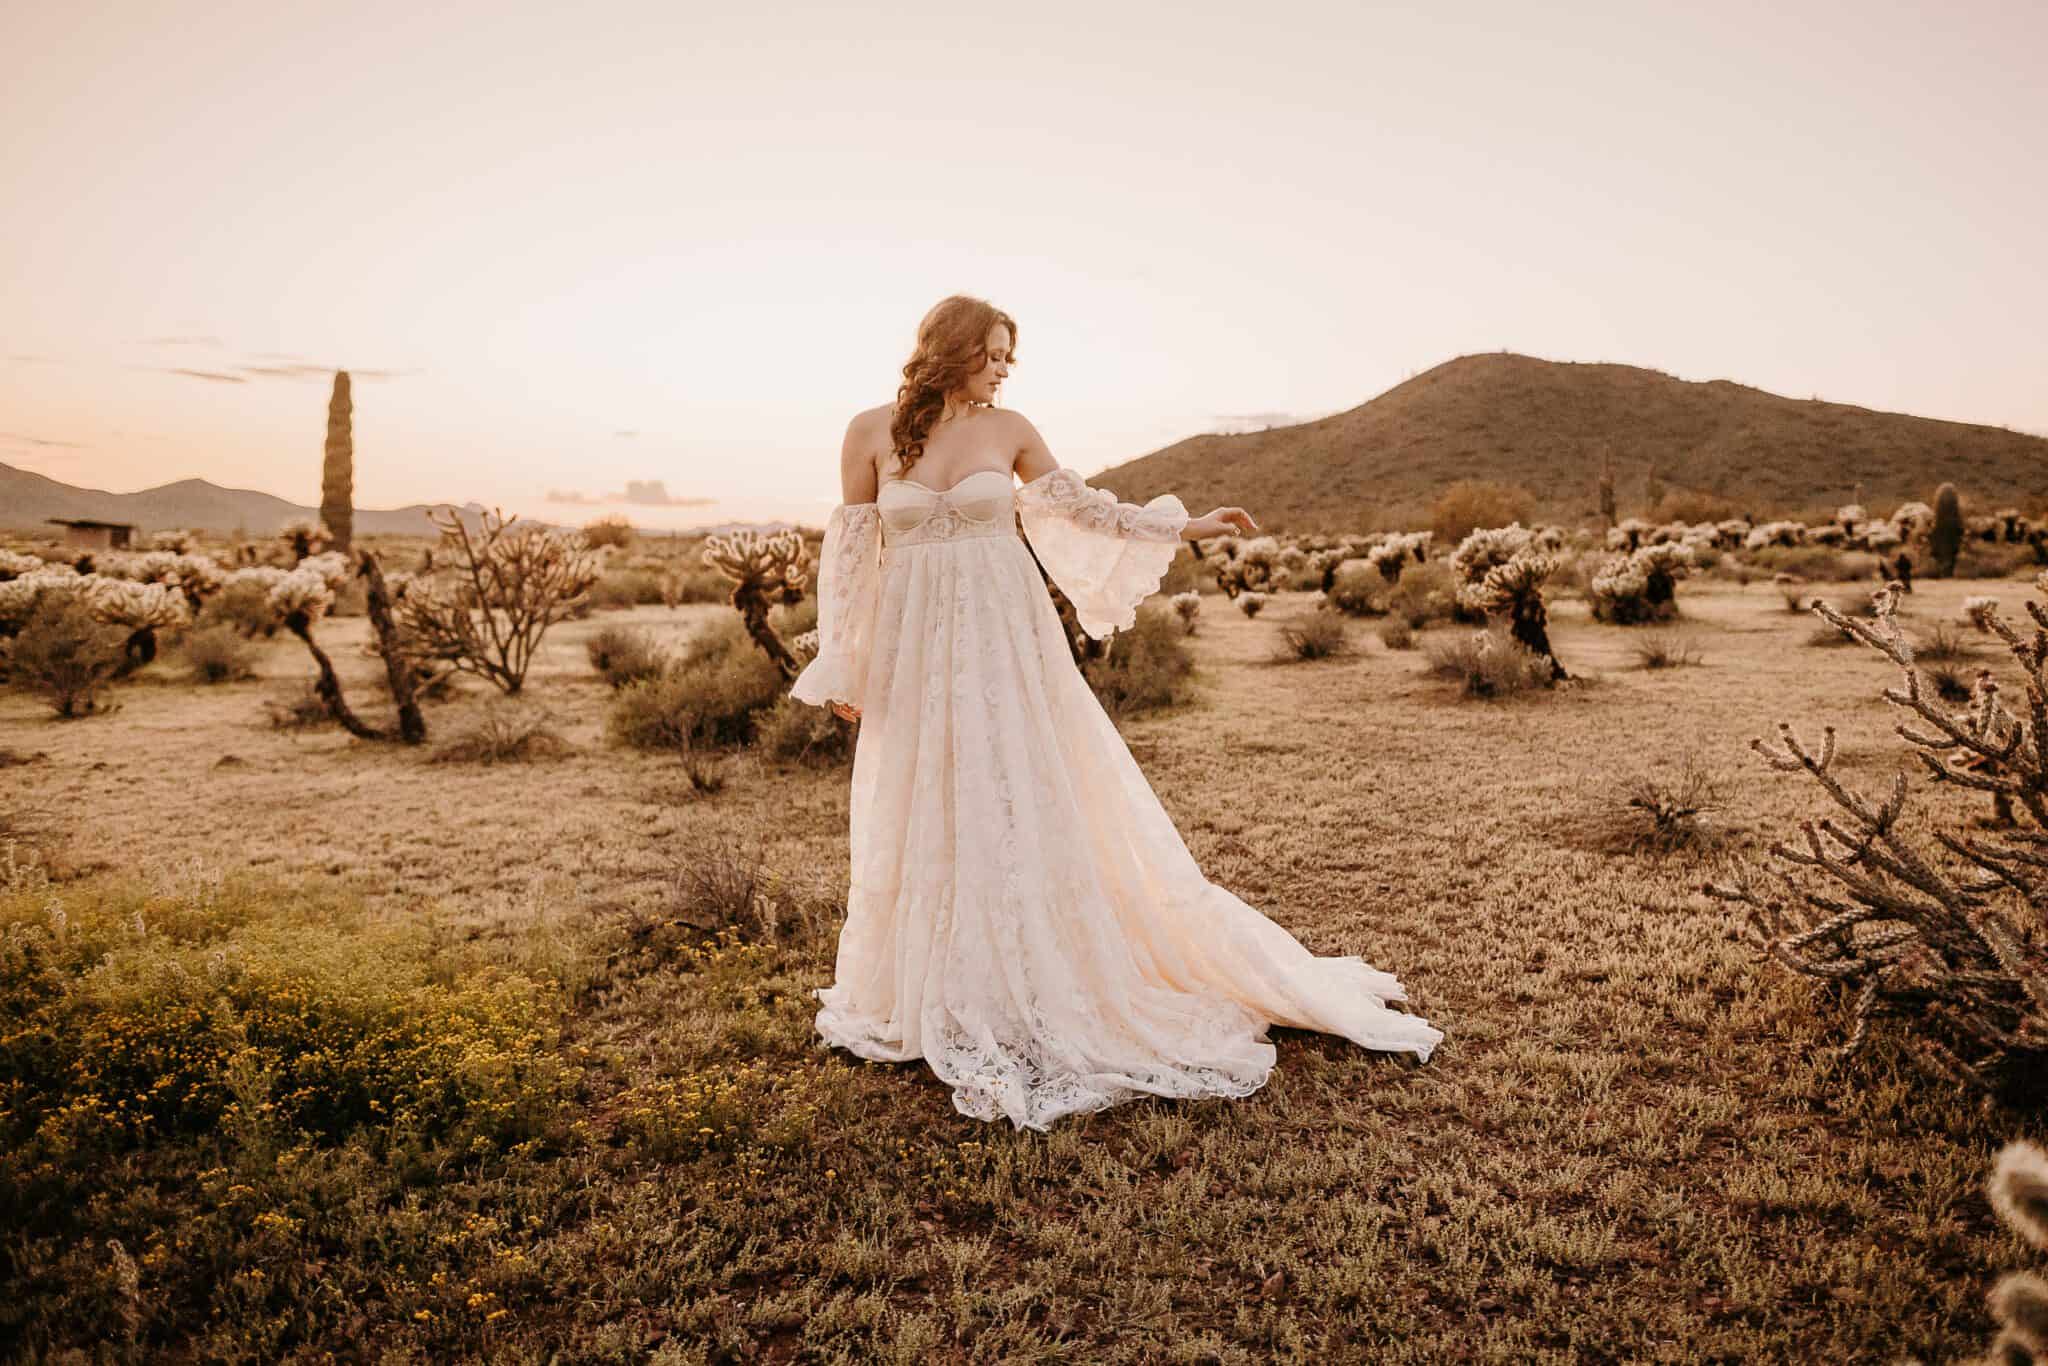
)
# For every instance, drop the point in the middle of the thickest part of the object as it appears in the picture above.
(322, 373)
(18, 439)
(215, 342)
(646, 493)
(215, 375)
(625, 432)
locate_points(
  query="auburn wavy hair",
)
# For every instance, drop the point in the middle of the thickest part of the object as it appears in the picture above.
(952, 343)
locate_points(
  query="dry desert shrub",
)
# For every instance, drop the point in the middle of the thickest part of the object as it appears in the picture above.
(727, 888)
(790, 729)
(706, 698)
(622, 655)
(1187, 605)
(1667, 650)
(1487, 663)
(1467, 505)
(1397, 634)
(1944, 644)
(504, 735)
(218, 654)
(1358, 589)
(623, 588)
(608, 531)
(1319, 635)
(303, 708)
(1144, 668)
(1426, 593)
(66, 653)
(1656, 815)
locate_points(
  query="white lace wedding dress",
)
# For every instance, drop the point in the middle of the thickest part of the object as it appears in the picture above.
(1021, 912)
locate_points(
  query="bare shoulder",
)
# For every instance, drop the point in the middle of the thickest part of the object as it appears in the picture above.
(1029, 454)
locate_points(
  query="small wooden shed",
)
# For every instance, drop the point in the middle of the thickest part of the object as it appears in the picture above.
(88, 534)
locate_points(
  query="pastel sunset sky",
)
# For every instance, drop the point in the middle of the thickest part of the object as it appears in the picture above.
(564, 247)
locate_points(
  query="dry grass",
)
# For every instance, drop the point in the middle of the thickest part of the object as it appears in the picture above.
(1630, 1147)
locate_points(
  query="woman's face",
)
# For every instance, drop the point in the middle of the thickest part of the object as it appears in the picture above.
(981, 386)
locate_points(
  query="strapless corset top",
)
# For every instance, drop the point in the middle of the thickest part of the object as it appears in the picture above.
(979, 505)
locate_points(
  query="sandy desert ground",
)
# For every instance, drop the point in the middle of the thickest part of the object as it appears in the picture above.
(1631, 1146)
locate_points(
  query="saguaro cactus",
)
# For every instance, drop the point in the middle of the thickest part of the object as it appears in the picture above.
(1945, 541)
(338, 478)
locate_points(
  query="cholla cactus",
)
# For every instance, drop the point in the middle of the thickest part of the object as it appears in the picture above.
(1390, 556)
(1881, 536)
(1627, 534)
(300, 598)
(1187, 606)
(1911, 519)
(177, 542)
(1250, 601)
(303, 536)
(1780, 533)
(1640, 587)
(1977, 611)
(141, 609)
(805, 645)
(18, 596)
(1960, 954)
(1503, 574)
(1850, 516)
(511, 583)
(13, 566)
(2018, 1188)
(761, 564)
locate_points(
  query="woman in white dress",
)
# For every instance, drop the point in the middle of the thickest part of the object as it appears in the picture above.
(1021, 912)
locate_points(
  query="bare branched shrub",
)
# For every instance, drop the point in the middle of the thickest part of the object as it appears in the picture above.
(1319, 635)
(508, 584)
(1662, 816)
(1957, 951)
(1188, 607)
(728, 887)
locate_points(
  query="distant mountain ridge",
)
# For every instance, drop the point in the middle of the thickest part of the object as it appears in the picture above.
(1545, 425)
(28, 500)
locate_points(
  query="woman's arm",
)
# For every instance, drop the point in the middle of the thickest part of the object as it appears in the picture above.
(1035, 461)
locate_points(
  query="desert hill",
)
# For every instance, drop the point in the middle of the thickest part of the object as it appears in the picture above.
(27, 499)
(1545, 425)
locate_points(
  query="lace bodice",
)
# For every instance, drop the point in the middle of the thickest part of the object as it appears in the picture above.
(1106, 556)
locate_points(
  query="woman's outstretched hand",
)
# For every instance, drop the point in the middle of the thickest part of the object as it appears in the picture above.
(1219, 521)
(845, 711)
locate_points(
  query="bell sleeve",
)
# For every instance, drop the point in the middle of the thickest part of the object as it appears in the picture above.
(849, 587)
(1106, 556)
